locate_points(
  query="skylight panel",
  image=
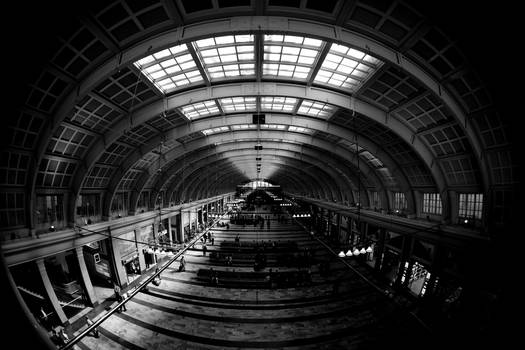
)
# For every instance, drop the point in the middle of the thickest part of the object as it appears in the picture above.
(300, 129)
(170, 68)
(273, 126)
(287, 56)
(278, 104)
(244, 127)
(238, 104)
(227, 56)
(350, 145)
(372, 159)
(200, 109)
(346, 68)
(316, 109)
(215, 130)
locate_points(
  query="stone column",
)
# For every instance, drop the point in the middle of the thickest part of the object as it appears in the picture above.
(180, 237)
(339, 227)
(85, 276)
(380, 249)
(406, 250)
(50, 291)
(196, 220)
(169, 231)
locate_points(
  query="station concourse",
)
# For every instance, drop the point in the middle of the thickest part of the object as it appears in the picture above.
(242, 174)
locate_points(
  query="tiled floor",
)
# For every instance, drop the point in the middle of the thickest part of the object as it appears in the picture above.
(186, 312)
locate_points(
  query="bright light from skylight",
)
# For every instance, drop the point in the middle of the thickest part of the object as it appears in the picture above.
(227, 56)
(273, 126)
(316, 109)
(238, 104)
(170, 68)
(300, 129)
(371, 159)
(278, 104)
(349, 145)
(288, 56)
(215, 130)
(244, 127)
(346, 68)
(200, 109)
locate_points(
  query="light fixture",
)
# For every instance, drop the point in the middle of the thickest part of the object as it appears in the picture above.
(341, 254)
(349, 252)
(369, 249)
(356, 252)
(363, 250)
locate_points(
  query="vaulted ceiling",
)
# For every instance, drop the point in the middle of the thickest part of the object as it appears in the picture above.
(160, 95)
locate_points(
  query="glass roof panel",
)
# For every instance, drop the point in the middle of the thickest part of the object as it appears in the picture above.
(346, 68)
(300, 129)
(349, 145)
(273, 126)
(238, 104)
(227, 56)
(215, 130)
(278, 103)
(200, 109)
(316, 109)
(371, 159)
(170, 68)
(244, 127)
(288, 56)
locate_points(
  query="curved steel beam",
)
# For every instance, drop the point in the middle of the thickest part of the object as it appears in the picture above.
(252, 24)
(336, 174)
(177, 153)
(273, 148)
(324, 180)
(306, 178)
(281, 89)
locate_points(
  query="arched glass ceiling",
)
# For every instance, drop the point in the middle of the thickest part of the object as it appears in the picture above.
(287, 57)
(279, 104)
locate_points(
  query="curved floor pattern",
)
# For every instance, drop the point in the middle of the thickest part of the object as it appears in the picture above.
(245, 312)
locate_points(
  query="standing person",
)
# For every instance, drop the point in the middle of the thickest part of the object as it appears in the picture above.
(182, 266)
(118, 296)
(63, 335)
(156, 271)
(124, 297)
(89, 323)
(204, 249)
(212, 238)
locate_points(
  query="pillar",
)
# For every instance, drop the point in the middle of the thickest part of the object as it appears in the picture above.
(380, 249)
(85, 276)
(118, 269)
(406, 250)
(180, 237)
(169, 231)
(339, 227)
(435, 271)
(50, 291)
(196, 220)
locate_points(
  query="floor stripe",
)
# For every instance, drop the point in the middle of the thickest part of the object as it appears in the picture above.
(354, 309)
(252, 305)
(337, 334)
(119, 340)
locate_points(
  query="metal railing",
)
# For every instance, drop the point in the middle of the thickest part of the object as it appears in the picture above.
(137, 289)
